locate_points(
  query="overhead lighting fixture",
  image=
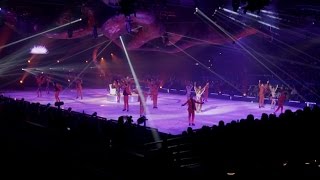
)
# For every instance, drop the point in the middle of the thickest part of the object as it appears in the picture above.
(269, 12)
(229, 11)
(235, 5)
(39, 50)
(270, 25)
(253, 15)
(255, 6)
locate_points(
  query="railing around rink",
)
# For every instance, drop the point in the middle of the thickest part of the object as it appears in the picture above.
(244, 97)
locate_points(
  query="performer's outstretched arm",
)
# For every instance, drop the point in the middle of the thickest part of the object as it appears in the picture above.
(184, 103)
(203, 89)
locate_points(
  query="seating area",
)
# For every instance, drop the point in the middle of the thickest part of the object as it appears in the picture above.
(43, 141)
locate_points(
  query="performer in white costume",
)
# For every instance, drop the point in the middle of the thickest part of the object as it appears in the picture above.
(273, 91)
(199, 91)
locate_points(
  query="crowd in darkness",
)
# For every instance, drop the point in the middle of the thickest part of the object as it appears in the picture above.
(269, 146)
(46, 141)
(41, 140)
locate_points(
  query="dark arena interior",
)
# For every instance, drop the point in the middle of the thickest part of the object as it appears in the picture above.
(159, 89)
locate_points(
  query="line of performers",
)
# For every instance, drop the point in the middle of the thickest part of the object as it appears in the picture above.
(201, 94)
(125, 85)
(194, 105)
(263, 89)
(46, 80)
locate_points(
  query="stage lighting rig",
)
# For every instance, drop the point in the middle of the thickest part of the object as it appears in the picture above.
(39, 50)
(235, 5)
(255, 5)
(128, 7)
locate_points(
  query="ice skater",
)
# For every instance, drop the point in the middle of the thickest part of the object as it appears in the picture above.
(281, 101)
(262, 91)
(199, 91)
(57, 88)
(116, 84)
(79, 87)
(273, 91)
(154, 91)
(40, 80)
(126, 93)
(191, 109)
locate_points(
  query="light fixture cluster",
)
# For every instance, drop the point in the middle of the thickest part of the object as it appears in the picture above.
(39, 50)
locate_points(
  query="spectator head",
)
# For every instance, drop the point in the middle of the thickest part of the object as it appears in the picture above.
(250, 117)
(221, 123)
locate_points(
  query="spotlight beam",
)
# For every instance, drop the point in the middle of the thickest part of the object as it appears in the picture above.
(84, 69)
(192, 38)
(254, 19)
(9, 82)
(203, 65)
(244, 48)
(289, 75)
(201, 40)
(286, 73)
(95, 61)
(275, 39)
(65, 58)
(290, 61)
(302, 35)
(217, 25)
(12, 62)
(136, 81)
(133, 72)
(210, 26)
(38, 34)
(274, 17)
